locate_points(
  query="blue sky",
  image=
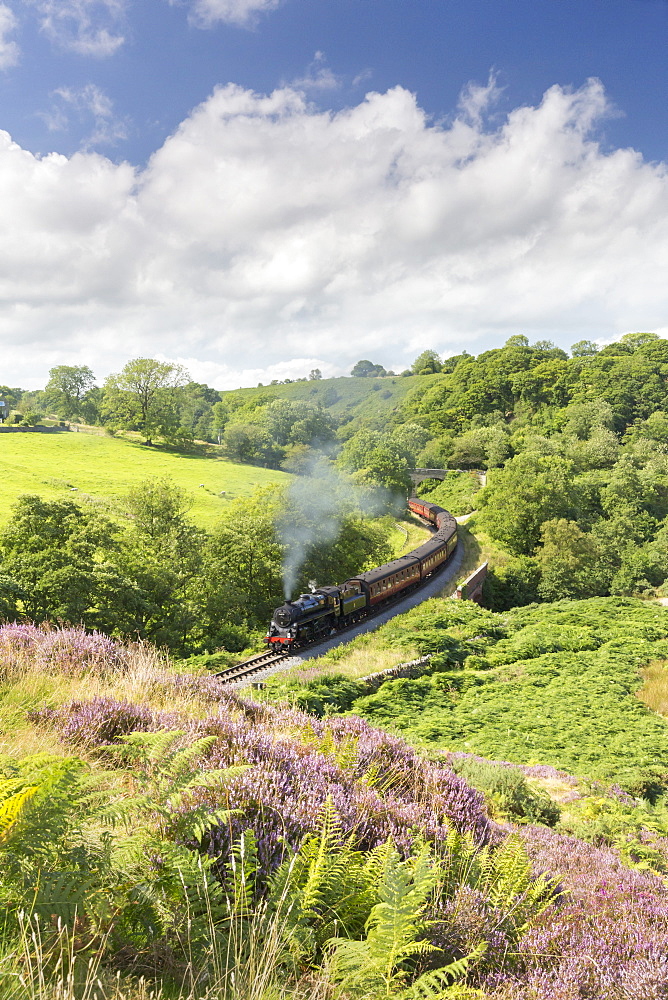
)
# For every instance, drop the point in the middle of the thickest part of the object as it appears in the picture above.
(434, 173)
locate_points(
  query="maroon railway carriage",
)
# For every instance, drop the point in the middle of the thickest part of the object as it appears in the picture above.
(328, 609)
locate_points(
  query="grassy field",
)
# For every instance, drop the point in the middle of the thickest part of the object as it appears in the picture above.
(58, 465)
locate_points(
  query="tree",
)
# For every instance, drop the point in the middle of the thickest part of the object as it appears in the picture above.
(11, 397)
(142, 395)
(67, 387)
(528, 491)
(599, 451)
(377, 461)
(250, 442)
(584, 349)
(480, 447)
(241, 578)
(62, 558)
(11, 596)
(195, 411)
(314, 375)
(297, 422)
(367, 369)
(220, 416)
(427, 363)
(162, 553)
(584, 418)
(635, 340)
(656, 427)
(570, 562)
(411, 438)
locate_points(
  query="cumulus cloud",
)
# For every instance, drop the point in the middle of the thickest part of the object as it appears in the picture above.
(88, 27)
(9, 50)
(206, 13)
(267, 237)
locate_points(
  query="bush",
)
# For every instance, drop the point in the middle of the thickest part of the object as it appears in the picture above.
(513, 585)
(31, 419)
(508, 791)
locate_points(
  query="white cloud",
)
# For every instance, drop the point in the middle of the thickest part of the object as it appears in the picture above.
(87, 27)
(9, 50)
(87, 104)
(267, 237)
(476, 99)
(206, 13)
(318, 76)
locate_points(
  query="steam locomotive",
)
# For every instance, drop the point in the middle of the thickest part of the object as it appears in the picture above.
(329, 609)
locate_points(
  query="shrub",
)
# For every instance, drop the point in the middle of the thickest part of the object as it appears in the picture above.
(508, 791)
(62, 650)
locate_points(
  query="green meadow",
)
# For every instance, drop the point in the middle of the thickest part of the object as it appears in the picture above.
(59, 465)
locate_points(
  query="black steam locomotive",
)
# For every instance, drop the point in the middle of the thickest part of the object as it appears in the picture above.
(329, 609)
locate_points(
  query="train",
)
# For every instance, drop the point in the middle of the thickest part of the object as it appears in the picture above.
(327, 610)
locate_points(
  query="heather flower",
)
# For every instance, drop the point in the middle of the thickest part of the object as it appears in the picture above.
(100, 722)
(607, 939)
(282, 794)
(70, 651)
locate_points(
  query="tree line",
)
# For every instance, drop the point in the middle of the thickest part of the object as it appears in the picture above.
(153, 574)
(576, 448)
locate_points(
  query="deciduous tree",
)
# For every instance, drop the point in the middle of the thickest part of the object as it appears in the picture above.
(143, 395)
(67, 388)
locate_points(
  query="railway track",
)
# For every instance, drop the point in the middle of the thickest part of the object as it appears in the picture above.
(258, 664)
(251, 666)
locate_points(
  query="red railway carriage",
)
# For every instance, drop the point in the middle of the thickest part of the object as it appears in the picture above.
(429, 511)
(393, 577)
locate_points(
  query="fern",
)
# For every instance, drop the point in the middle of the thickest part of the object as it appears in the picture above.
(378, 964)
(503, 874)
(327, 889)
(166, 778)
(344, 753)
(243, 867)
(14, 797)
(51, 866)
(438, 983)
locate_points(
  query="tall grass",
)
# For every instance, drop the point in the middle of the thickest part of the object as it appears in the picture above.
(46, 963)
(654, 692)
(137, 672)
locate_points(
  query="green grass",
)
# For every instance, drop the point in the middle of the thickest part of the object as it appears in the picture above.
(407, 534)
(105, 469)
(371, 401)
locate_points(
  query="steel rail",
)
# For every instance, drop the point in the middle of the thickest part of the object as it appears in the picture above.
(258, 663)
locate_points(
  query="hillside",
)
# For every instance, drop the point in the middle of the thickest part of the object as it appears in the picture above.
(372, 401)
(556, 684)
(137, 801)
(58, 465)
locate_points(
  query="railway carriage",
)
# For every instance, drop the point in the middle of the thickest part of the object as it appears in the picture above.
(329, 609)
